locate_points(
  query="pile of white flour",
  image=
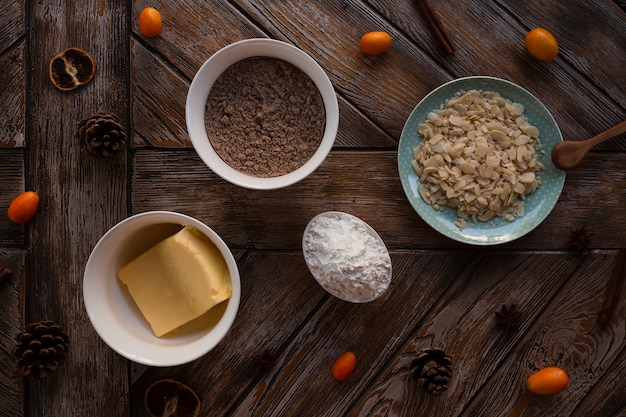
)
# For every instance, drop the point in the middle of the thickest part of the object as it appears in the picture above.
(347, 257)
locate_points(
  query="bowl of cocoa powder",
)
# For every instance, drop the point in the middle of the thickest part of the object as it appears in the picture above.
(262, 114)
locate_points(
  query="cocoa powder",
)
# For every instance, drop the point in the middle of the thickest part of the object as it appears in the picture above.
(264, 117)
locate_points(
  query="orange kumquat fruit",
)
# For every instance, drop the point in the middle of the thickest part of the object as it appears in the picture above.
(375, 43)
(541, 44)
(547, 381)
(23, 207)
(344, 365)
(150, 22)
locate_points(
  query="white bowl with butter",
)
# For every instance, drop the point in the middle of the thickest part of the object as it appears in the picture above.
(161, 288)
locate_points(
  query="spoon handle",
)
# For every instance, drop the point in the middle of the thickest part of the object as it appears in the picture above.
(607, 134)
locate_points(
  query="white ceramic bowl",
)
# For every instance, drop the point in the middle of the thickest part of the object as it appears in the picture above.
(116, 317)
(215, 66)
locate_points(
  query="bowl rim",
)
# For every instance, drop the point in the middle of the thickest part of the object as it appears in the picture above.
(531, 221)
(97, 292)
(199, 92)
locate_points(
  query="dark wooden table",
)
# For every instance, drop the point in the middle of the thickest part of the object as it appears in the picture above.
(443, 293)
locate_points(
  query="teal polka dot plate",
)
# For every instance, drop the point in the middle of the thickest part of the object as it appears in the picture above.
(537, 205)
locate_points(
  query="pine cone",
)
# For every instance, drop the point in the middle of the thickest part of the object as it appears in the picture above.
(101, 135)
(432, 368)
(41, 348)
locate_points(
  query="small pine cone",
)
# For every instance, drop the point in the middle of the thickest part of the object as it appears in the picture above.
(432, 368)
(101, 135)
(41, 348)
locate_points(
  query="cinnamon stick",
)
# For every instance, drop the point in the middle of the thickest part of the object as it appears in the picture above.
(436, 27)
(615, 288)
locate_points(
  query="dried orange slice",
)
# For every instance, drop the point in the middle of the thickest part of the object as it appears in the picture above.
(72, 68)
(168, 397)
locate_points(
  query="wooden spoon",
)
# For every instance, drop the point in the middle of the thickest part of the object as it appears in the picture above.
(567, 155)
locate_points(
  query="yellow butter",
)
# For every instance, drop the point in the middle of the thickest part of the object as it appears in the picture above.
(177, 280)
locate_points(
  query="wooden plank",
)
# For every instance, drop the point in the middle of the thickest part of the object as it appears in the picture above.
(81, 198)
(582, 42)
(365, 184)
(158, 96)
(566, 334)
(12, 180)
(604, 398)
(12, 79)
(463, 324)
(457, 322)
(11, 293)
(357, 131)
(11, 316)
(193, 31)
(11, 24)
(302, 380)
(491, 42)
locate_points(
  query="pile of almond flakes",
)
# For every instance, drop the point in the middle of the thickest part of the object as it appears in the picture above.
(478, 155)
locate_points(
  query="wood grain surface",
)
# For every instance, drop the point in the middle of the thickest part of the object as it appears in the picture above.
(367, 185)
(443, 293)
(81, 198)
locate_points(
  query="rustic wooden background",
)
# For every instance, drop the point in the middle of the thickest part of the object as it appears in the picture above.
(443, 293)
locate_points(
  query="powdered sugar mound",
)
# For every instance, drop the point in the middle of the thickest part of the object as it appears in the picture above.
(347, 257)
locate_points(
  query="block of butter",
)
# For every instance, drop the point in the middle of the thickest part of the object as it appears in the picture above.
(177, 280)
